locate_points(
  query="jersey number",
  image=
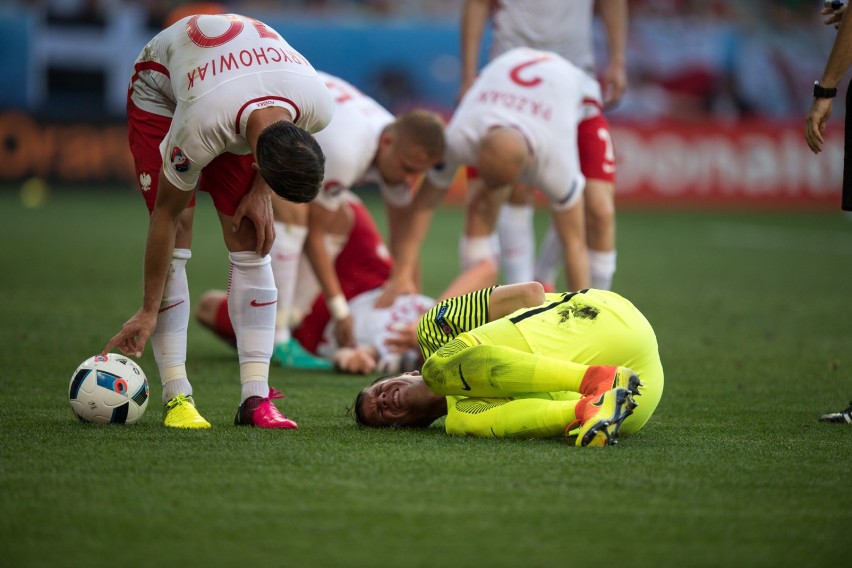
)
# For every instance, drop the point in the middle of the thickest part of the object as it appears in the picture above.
(341, 93)
(201, 40)
(515, 73)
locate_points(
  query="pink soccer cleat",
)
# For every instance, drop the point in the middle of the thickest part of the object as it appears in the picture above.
(261, 413)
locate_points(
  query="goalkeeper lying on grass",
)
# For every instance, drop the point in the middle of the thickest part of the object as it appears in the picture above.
(514, 362)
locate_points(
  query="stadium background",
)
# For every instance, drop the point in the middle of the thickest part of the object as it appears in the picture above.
(718, 89)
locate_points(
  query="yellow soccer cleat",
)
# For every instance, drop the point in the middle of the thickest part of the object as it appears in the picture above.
(603, 418)
(180, 412)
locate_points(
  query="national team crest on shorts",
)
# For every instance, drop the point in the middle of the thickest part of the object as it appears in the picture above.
(179, 160)
(145, 181)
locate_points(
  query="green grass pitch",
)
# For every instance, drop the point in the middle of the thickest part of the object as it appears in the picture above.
(752, 312)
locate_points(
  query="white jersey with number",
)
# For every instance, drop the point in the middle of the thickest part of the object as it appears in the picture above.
(562, 26)
(540, 94)
(209, 73)
(350, 142)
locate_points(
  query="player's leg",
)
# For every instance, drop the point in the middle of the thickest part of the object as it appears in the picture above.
(509, 418)
(168, 341)
(252, 296)
(598, 423)
(291, 230)
(549, 259)
(571, 227)
(517, 235)
(598, 327)
(597, 160)
(211, 311)
(479, 242)
(494, 361)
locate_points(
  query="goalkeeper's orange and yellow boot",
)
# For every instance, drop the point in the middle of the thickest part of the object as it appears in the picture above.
(180, 412)
(602, 418)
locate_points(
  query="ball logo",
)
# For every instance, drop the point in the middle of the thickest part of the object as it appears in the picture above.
(179, 160)
(112, 382)
(101, 358)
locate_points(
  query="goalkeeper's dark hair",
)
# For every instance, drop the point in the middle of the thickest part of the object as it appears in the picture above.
(290, 161)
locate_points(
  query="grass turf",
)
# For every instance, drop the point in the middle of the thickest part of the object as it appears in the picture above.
(751, 312)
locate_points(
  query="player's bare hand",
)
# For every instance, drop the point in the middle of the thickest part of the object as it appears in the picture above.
(134, 334)
(403, 337)
(354, 360)
(256, 205)
(344, 332)
(614, 84)
(394, 289)
(815, 123)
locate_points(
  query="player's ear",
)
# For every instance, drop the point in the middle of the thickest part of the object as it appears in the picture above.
(387, 138)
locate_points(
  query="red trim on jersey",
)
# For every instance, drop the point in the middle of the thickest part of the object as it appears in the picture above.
(593, 102)
(146, 66)
(251, 102)
(149, 66)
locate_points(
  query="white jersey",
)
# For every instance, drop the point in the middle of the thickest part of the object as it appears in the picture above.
(209, 73)
(562, 26)
(540, 94)
(350, 143)
(372, 326)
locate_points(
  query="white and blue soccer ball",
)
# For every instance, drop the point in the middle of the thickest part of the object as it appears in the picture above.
(109, 389)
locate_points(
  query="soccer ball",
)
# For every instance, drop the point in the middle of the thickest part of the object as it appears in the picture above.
(108, 389)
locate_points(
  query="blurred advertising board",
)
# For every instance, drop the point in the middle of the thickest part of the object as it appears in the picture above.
(668, 163)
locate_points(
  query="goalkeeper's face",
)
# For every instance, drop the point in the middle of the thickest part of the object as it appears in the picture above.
(402, 400)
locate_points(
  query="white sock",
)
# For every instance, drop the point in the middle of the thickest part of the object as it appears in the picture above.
(252, 299)
(254, 380)
(549, 258)
(601, 268)
(286, 252)
(517, 242)
(176, 385)
(168, 342)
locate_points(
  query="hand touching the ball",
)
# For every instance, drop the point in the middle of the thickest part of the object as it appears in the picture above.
(134, 334)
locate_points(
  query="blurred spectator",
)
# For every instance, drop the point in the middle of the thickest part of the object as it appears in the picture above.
(688, 59)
